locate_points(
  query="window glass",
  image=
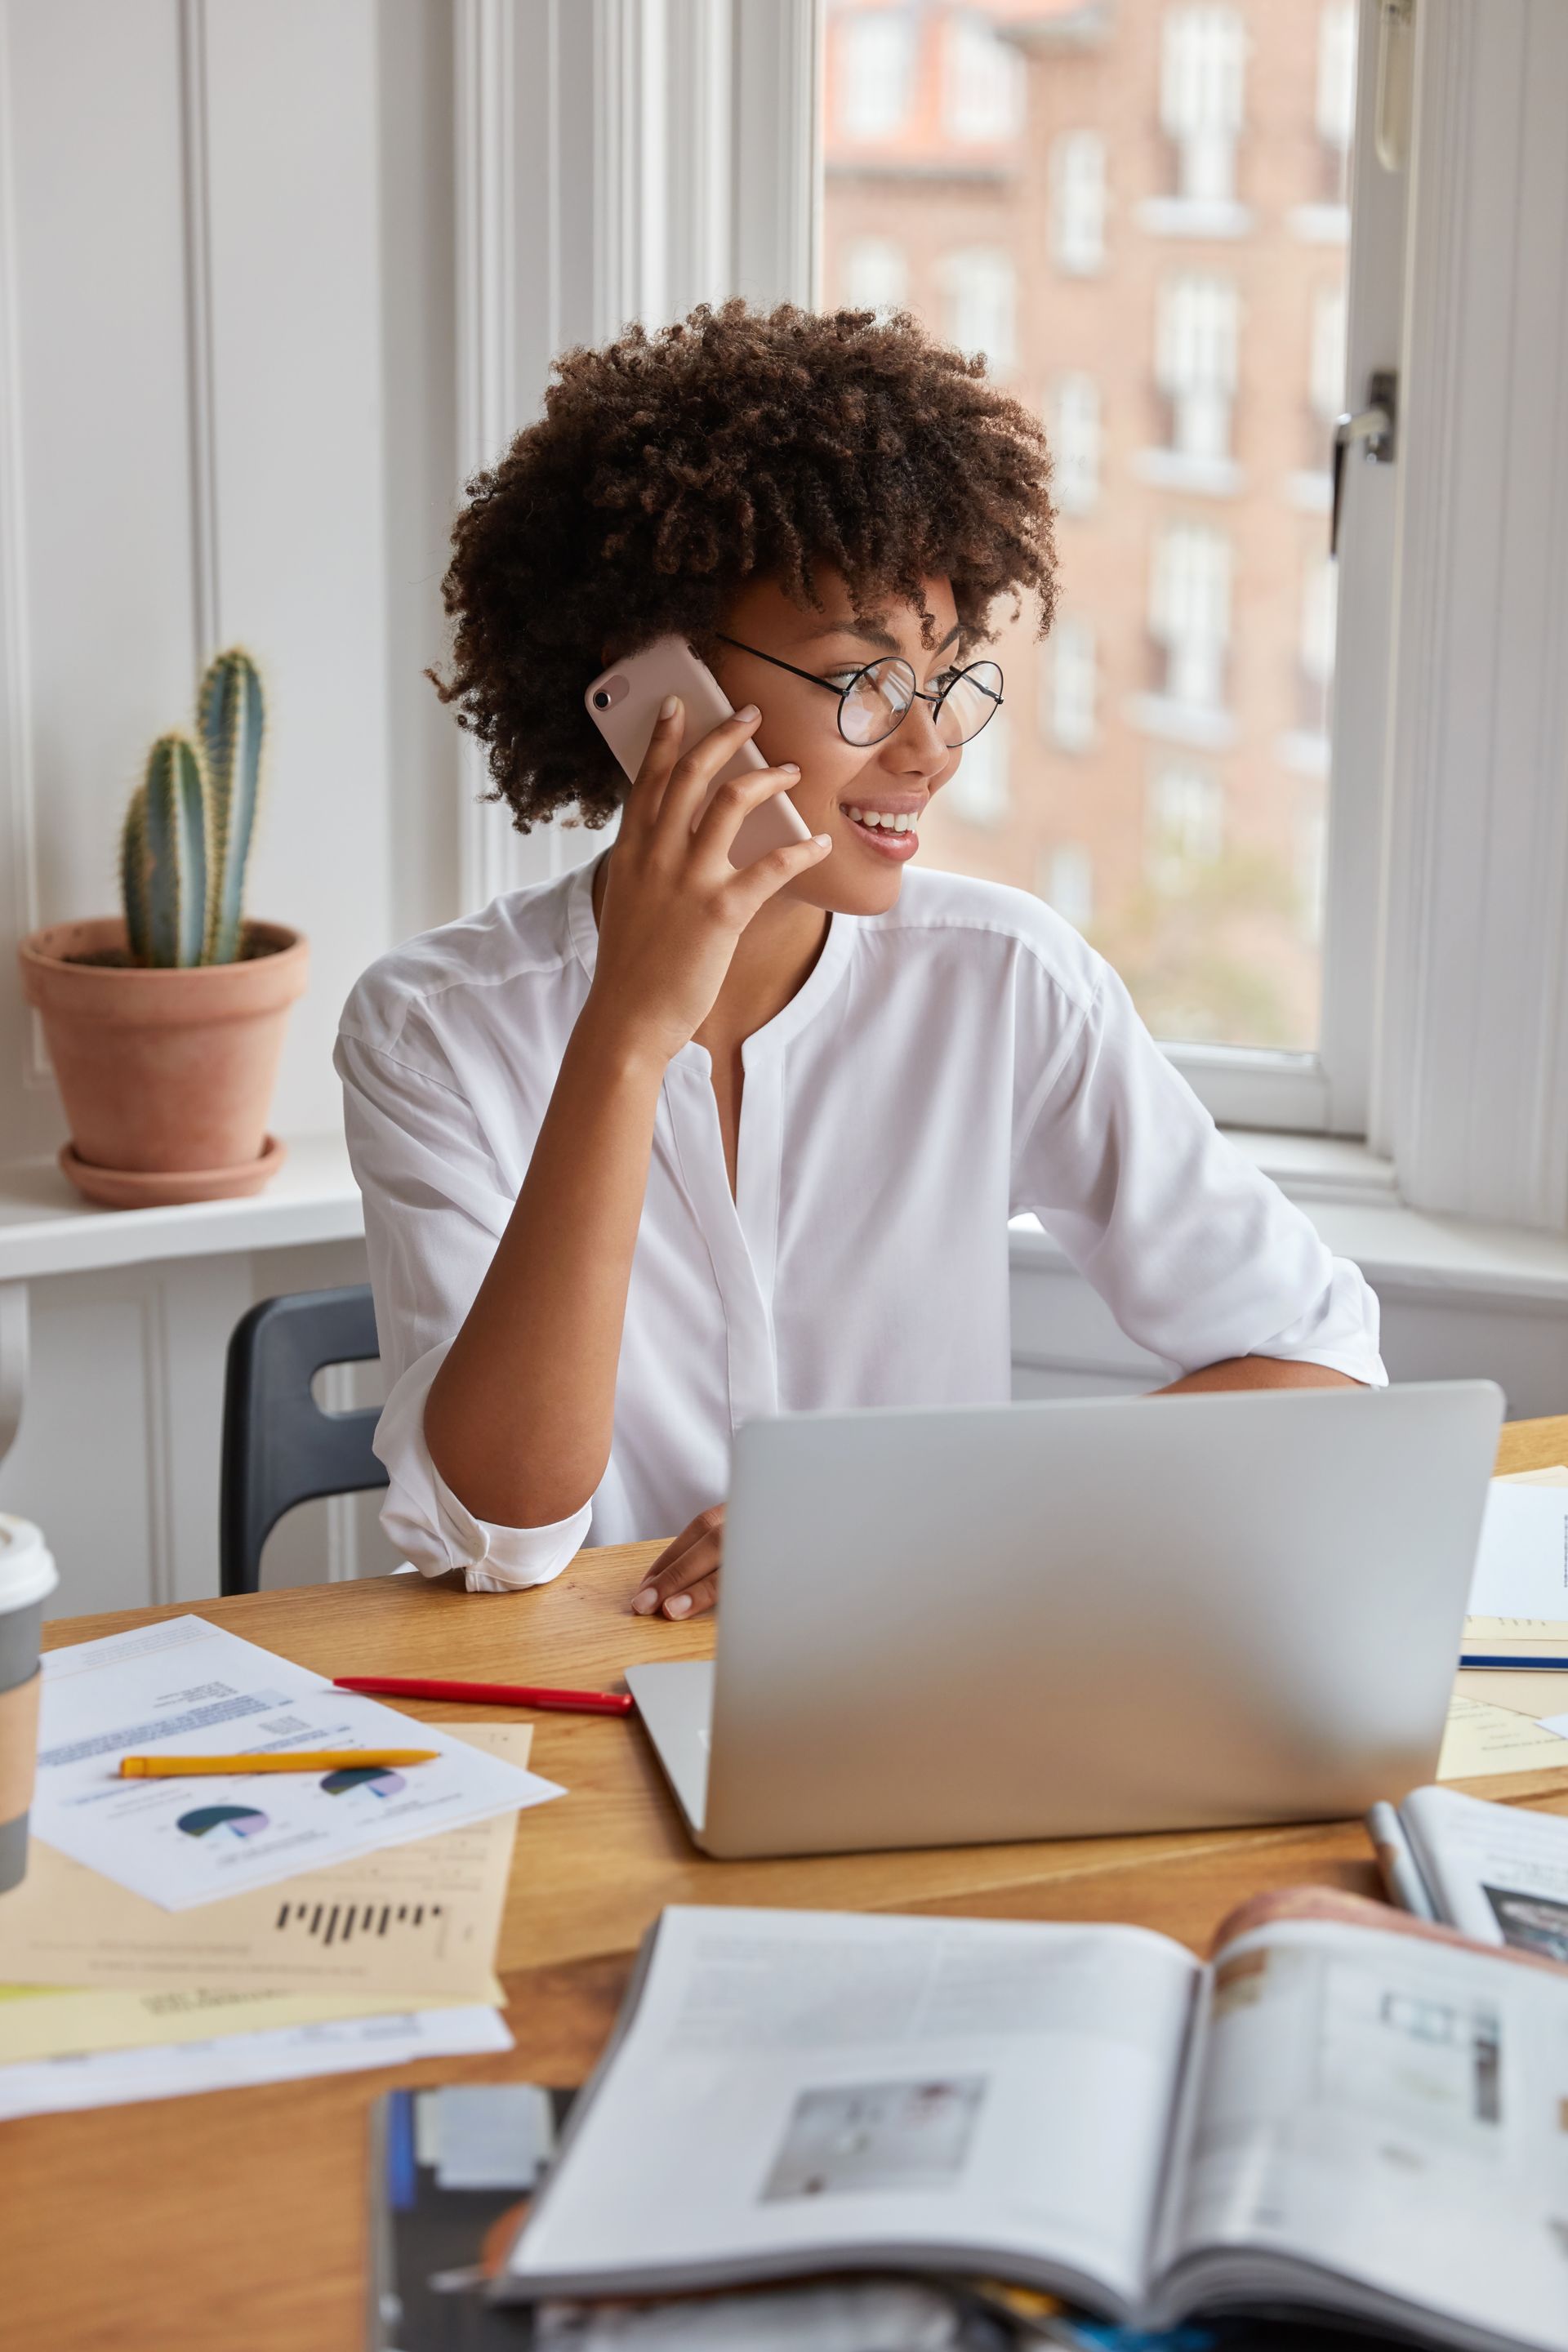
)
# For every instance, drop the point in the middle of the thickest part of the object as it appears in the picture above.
(873, 82)
(1078, 203)
(1138, 214)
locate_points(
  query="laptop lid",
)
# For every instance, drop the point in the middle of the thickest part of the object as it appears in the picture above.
(1071, 1618)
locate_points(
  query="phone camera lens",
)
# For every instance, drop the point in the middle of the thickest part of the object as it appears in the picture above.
(601, 700)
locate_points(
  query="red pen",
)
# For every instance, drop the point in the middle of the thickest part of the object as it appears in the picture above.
(488, 1693)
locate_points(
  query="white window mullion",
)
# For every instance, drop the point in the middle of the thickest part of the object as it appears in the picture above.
(1473, 1092)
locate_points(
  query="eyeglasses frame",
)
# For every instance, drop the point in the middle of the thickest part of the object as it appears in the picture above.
(844, 692)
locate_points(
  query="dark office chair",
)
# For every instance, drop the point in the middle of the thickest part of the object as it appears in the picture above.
(279, 1447)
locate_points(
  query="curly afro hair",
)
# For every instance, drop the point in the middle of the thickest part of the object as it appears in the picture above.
(670, 469)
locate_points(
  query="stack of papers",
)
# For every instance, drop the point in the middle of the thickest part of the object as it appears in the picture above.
(198, 1934)
(1510, 1719)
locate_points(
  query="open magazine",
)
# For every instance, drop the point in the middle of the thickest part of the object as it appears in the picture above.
(1499, 1874)
(1344, 2111)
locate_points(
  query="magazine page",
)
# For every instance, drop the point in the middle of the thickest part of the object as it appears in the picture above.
(1389, 2109)
(1498, 1875)
(802, 2090)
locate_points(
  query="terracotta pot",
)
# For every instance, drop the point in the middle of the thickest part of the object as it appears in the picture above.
(166, 1076)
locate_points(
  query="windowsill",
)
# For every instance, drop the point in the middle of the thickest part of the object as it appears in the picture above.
(1204, 728)
(1350, 1194)
(1353, 1200)
(1197, 217)
(47, 1228)
(1172, 469)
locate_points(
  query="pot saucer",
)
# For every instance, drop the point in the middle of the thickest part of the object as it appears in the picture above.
(162, 1187)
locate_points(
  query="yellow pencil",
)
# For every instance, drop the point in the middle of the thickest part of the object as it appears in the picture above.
(348, 1760)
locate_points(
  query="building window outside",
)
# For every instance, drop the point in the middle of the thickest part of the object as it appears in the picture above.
(875, 274)
(874, 83)
(1074, 425)
(979, 293)
(1336, 78)
(1326, 365)
(1078, 204)
(1073, 685)
(1320, 599)
(981, 84)
(1066, 883)
(1196, 334)
(1186, 828)
(1189, 612)
(979, 792)
(1202, 82)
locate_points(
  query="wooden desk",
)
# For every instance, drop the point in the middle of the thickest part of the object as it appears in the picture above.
(237, 2220)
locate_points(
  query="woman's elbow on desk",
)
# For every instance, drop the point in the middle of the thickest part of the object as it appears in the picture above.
(1261, 1372)
(441, 1537)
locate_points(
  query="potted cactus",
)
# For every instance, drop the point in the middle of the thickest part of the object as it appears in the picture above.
(164, 1024)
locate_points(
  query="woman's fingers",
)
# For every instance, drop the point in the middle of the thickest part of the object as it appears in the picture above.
(755, 884)
(732, 804)
(696, 1600)
(693, 780)
(691, 1560)
(649, 785)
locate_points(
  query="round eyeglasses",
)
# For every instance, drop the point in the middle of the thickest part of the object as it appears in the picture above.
(876, 699)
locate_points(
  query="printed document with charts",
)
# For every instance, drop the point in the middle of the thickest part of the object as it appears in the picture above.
(1345, 2112)
(183, 1686)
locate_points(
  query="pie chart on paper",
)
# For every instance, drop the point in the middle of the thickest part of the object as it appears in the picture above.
(222, 1820)
(375, 1779)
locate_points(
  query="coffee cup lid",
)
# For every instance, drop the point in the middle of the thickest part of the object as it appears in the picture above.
(28, 1573)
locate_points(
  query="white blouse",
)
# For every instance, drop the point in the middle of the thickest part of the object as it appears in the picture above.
(947, 1065)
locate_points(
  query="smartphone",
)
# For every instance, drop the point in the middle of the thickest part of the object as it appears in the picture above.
(623, 703)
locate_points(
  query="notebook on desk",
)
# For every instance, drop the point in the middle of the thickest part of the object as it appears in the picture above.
(1080, 1618)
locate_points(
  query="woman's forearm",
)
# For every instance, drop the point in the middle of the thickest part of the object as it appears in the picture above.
(519, 1419)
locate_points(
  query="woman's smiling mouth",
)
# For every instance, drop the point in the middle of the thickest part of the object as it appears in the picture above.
(889, 828)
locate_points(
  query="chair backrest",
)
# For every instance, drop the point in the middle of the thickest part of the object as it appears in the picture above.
(279, 1447)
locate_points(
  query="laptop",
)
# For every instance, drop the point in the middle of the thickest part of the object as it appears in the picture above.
(1078, 1618)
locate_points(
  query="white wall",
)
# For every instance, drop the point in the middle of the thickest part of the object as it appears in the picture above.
(227, 410)
(226, 385)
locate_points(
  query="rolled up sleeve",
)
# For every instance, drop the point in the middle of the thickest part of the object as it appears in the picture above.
(435, 1206)
(1199, 1256)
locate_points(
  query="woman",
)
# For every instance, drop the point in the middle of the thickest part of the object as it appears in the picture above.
(662, 1146)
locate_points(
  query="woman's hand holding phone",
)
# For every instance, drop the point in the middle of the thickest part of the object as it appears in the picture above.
(674, 906)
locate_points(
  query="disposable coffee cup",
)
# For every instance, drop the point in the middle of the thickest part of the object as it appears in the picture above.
(27, 1577)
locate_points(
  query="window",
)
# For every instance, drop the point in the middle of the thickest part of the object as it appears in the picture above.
(1163, 339)
(983, 84)
(1072, 686)
(875, 76)
(876, 275)
(1189, 612)
(1336, 76)
(1186, 828)
(1073, 425)
(1066, 883)
(979, 288)
(1195, 361)
(978, 793)
(1078, 203)
(1202, 65)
